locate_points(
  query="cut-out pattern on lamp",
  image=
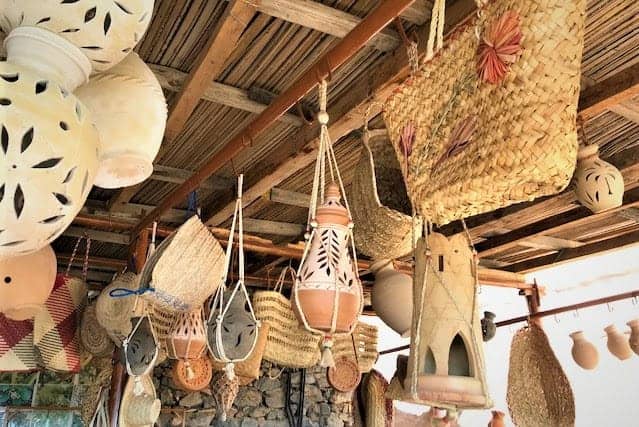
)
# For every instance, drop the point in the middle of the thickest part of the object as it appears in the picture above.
(105, 31)
(130, 132)
(48, 159)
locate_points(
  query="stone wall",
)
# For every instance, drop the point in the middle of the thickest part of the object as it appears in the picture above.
(260, 404)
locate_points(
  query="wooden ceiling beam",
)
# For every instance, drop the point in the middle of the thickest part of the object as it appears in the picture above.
(612, 91)
(210, 63)
(628, 110)
(219, 93)
(98, 235)
(275, 228)
(287, 197)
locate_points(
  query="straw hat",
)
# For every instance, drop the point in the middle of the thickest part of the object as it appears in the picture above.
(93, 336)
(139, 410)
(114, 314)
(539, 393)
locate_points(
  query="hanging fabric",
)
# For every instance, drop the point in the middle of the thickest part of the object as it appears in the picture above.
(327, 294)
(232, 325)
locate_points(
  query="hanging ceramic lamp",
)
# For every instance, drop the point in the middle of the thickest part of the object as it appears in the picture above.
(327, 293)
(48, 158)
(188, 337)
(26, 282)
(130, 132)
(599, 185)
(392, 296)
(104, 31)
(584, 353)
(617, 343)
(634, 335)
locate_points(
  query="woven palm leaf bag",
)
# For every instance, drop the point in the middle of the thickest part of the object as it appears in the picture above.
(490, 121)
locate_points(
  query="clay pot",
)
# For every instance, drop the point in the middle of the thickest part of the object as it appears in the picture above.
(26, 282)
(618, 343)
(188, 337)
(392, 296)
(584, 353)
(328, 269)
(598, 184)
(497, 420)
(634, 335)
(488, 327)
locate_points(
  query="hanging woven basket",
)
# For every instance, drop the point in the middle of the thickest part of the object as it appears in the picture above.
(379, 203)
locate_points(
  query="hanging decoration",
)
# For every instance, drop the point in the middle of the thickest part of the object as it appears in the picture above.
(93, 337)
(233, 328)
(634, 335)
(488, 327)
(130, 132)
(617, 343)
(140, 349)
(114, 314)
(26, 282)
(446, 368)
(599, 185)
(140, 406)
(188, 337)
(345, 376)
(392, 296)
(103, 31)
(584, 353)
(17, 353)
(48, 157)
(225, 391)
(327, 293)
(488, 120)
(193, 375)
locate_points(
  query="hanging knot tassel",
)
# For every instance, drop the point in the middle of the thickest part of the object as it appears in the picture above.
(189, 371)
(223, 416)
(327, 355)
(229, 368)
(138, 388)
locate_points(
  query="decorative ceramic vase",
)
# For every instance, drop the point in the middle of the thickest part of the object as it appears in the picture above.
(392, 296)
(634, 335)
(130, 132)
(584, 353)
(488, 327)
(497, 419)
(618, 343)
(105, 31)
(26, 282)
(598, 184)
(49, 161)
(327, 284)
(188, 337)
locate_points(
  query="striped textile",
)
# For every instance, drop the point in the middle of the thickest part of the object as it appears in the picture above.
(16, 345)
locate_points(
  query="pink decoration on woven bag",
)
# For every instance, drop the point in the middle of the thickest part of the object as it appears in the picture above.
(406, 140)
(461, 136)
(499, 48)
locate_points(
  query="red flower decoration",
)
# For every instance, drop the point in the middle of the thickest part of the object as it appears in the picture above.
(406, 140)
(499, 48)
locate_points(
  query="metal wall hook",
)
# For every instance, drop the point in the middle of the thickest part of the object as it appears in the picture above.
(610, 308)
(557, 319)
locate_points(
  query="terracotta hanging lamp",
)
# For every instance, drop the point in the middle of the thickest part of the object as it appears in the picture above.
(327, 293)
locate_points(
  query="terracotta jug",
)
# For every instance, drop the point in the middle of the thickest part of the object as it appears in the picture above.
(26, 282)
(497, 420)
(618, 343)
(598, 185)
(187, 340)
(584, 353)
(392, 296)
(328, 268)
(634, 335)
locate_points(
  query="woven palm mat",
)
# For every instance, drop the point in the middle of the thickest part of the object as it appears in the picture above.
(539, 393)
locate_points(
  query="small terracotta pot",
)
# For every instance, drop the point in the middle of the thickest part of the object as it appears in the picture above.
(634, 335)
(497, 420)
(584, 353)
(392, 297)
(598, 185)
(618, 343)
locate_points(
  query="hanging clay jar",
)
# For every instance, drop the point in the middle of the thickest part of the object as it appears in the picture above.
(130, 132)
(392, 296)
(584, 353)
(49, 144)
(238, 331)
(618, 343)
(328, 269)
(188, 337)
(105, 31)
(497, 419)
(634, 335)
(598, 184)
(26, 282)
(488, 327)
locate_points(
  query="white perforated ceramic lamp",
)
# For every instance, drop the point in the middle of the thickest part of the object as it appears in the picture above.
(599, 185)
(48, 159)
(26, 282)
(104, 30)
(130, 113)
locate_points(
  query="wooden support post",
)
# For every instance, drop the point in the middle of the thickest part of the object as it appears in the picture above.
(137, 251)
(533, 299)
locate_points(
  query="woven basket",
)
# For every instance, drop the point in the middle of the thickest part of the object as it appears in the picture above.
(186, 268)
(249, 369)
(539, 393)
(477, 146)
(378, 410)
(365, 340)
(93, 337)
(288, 344)
(382, 232)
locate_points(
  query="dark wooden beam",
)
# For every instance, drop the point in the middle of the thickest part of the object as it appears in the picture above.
(614, 90)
